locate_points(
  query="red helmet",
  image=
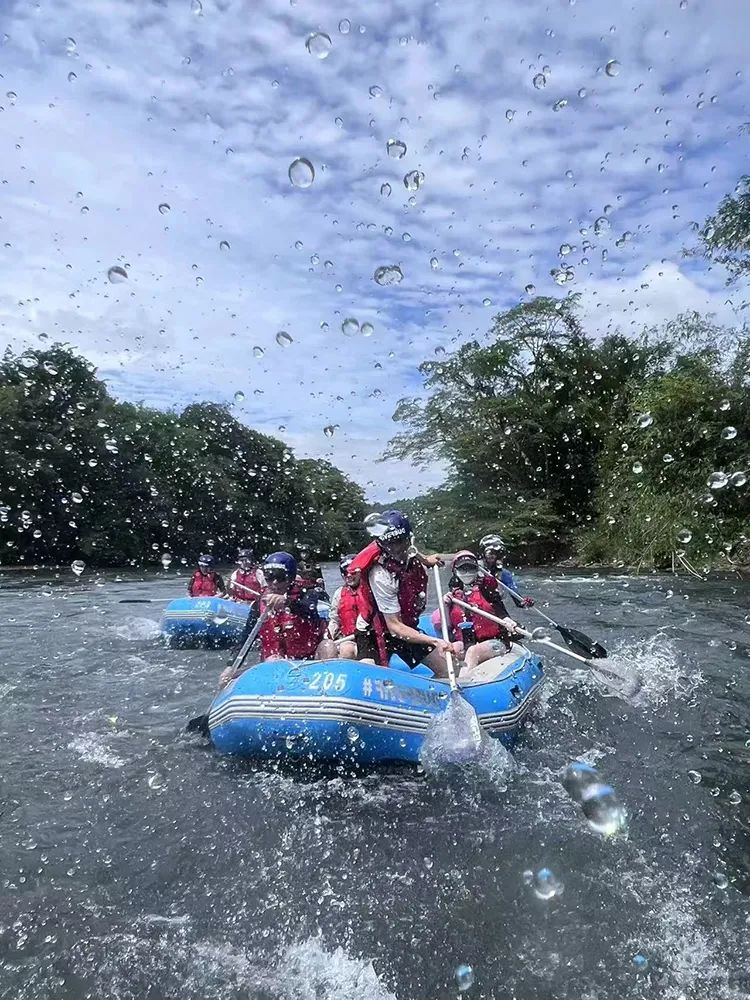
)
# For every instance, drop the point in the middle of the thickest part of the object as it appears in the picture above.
(462, 557)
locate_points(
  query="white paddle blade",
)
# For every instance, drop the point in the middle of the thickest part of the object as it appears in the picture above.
(454, 737)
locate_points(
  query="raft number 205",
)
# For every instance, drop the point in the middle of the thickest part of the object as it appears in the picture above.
(327, 681)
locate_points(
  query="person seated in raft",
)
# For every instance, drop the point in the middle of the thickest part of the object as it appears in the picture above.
(244, 584)
(205, 581)
(493, 550)
(342, 618)
(391, 595)
(482, 639)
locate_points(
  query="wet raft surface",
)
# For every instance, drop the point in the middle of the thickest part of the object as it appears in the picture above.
(136, 864)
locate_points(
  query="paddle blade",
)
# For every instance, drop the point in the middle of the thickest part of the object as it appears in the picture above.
(582, 644)
(199, 725)
(454, 737)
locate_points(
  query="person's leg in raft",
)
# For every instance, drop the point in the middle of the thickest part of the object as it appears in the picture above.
(327, 650)
(480, 652)
(435, 660)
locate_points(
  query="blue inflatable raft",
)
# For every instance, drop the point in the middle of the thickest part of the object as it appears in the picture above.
(204, 621)
(343, 711)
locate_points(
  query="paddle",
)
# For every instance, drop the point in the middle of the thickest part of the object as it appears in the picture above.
(200, 723)
(458, 724)
(583, 644)
(598, 667)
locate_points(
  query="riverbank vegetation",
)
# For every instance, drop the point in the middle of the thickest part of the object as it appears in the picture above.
(85, 477)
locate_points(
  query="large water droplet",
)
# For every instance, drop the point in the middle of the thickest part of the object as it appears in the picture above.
(602, 225)
(301, 172)
(345, 26)
(612, 68)
(695, 777)
(603, 811)
(283, 339)
(388, 274)
(76, 497)
(644, 420)
(318, 44)
(330, 430)
(164, 208)
(540, 81)
(367, 329)
(258, 352)
(413, 180)
(117, 274)
(464, 977)
(375, 91)
(385, 190)
(735, 798)
(239, 397)
(738, 479)
(637, 468)
(717, 480)
(724, 404)
(350, 327)
(70, 46)
(166, 559)
(729, 434)
(684, 535)
(78, 566)
(396, 148)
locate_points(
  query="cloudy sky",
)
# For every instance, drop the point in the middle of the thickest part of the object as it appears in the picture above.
(158, 136)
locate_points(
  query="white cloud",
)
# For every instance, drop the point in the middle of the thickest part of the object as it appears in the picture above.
(167, 107)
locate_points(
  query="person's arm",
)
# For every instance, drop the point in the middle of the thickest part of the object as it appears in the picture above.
(428, 561)
(190, 586)
(506, 577)
(385, 591)
(334, 622)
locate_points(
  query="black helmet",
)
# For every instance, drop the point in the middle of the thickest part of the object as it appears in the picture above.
(344, 564)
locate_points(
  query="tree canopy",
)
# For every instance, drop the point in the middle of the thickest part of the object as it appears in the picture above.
(87, 477)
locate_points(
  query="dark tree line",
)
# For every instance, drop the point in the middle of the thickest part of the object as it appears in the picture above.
(83, 476)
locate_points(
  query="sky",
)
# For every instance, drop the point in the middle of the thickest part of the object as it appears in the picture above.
(158, 137)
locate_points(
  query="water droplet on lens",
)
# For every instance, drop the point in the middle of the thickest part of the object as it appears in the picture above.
(644, 420)
(258, 351)
(164, 208)
(612, 68)
(602, 225)
(510, 114)
(464, 977)
(738, 479)
(546, 884)
(224, 245)
(166, 560)
(603, 811)
(720, 880)
(530, 289)
(684, 535)
(156, 782)
(301, 172)
(367, 329)
(717, 480)
(385, 190)
(695, 777)
(434, 263)
(283, 339)
(78, 566)
(350, 327)
(486, 302)
(640, 962)
(117, 274)
(330, 430)
(413, 180)
(72, 76)
(70, 46)
(239, 396)
(376, 91)
(352, 734)
(637, 468)
(345, 26)
(76, 498)
(318, 44)
(729, 433)
(735, 798)
(540, 81)
(396, 148)
(724, 404)
(388, 274)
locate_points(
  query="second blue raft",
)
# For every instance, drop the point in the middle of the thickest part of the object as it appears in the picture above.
(204, 621)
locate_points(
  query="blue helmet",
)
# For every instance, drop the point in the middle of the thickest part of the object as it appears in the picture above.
(205, 560)
(278, 563)
(395, 526)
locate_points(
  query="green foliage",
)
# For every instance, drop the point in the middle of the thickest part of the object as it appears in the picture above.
(725, 236)
(87, 477)
(539, 427)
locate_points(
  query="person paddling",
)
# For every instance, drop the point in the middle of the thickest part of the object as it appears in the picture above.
(292, 627)
(205, 581)
(391, 595)
(339, 639)
(493, 551)
(244, 584)
(482, 639)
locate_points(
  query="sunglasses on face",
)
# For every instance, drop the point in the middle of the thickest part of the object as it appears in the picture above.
(275, 575)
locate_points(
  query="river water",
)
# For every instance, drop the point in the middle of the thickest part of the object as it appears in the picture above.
(135, 863)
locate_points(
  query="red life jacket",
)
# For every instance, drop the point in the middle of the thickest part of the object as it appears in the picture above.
(412, 592)
(205, 584)
(483, 629)
(289, 635)
(348, 611)
(247, 579)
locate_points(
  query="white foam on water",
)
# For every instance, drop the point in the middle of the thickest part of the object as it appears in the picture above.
(696, 958)
(6, 688)
(138, 629)
(454, 737)
(92, 748)
(309, 971)
(655, 660)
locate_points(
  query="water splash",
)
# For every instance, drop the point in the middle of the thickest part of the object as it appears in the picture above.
(662, 675)
(138, 629)
(453, 738)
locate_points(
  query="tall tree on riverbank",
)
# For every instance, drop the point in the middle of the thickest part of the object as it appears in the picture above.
(84, 476)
